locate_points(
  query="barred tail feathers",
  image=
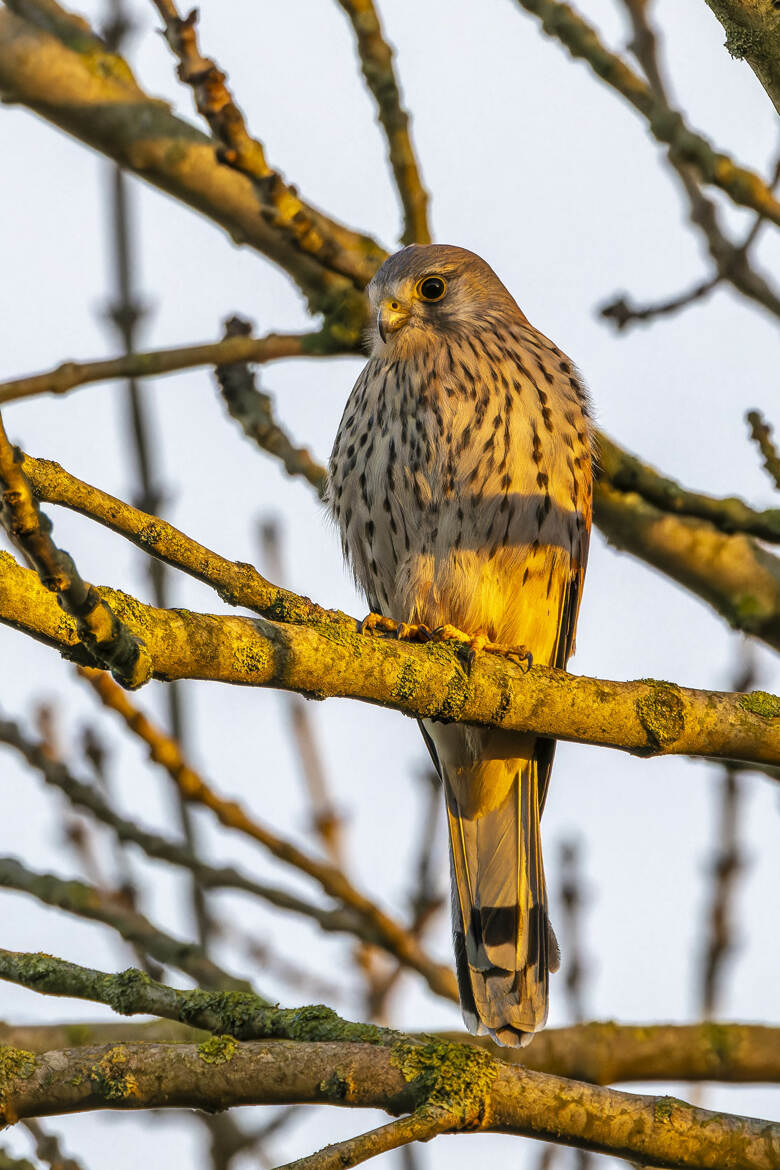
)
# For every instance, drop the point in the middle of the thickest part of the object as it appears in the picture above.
(504, 947)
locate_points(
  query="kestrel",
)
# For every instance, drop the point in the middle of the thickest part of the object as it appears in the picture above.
(461, 481)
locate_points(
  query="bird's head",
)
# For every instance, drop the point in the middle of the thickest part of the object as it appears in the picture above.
(427, 290)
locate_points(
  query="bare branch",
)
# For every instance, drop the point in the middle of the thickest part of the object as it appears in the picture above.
(378, 927)
(690, 155)
(104, 636)
(600, 1053)
(254, 411)
(70, 375)
(628, 474)
(621, 312)
(420, 1126)
(162, 848)
(90, 92)
(482, 1095)
(376, 60)
(744, 187)
(332, 245)
(644, 717)
(88, 902)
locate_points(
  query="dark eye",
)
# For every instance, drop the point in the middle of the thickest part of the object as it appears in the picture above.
(431, 288)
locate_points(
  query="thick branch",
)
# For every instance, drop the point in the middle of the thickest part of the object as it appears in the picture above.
(629, 474)
(91, 93)
(732, 573)
(643, 717)
(88, 902)
(506, 1099)
(376, 60)
(752, 30)
(599, 1053)
(352, 1064)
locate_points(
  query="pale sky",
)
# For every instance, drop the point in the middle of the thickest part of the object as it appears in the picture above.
(536, 166)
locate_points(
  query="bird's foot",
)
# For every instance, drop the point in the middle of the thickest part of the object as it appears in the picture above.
(403, 631)
(480, 643)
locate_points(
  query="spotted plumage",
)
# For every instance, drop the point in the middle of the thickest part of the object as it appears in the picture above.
(461, 483)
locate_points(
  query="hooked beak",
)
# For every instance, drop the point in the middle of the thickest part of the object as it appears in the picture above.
(391, 316)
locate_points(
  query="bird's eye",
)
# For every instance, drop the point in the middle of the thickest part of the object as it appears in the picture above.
(431, 288)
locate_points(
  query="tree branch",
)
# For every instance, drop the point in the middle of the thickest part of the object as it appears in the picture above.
(761, 434)
(644, 717)
(599, 1053)
(376, 61)
(89, 902)
(71, 375)
(732, 573)
(105, 638)
(335, 247)
(160, 848)
(253, 409)
(667, 126)
(753, 34)
(70, 79)
(686, 151)
(376, 926)
(485, 1095)
(345, 1063)
(627, 473)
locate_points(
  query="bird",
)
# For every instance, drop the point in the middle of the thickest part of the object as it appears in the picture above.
(461, 484)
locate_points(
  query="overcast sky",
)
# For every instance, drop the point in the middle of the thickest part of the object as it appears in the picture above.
(536, 166)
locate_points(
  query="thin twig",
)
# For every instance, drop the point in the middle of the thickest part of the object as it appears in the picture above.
(376, 60)
(622, 312)
(152, 363)
(107, 640)
(728, 863)
(127, 312)
(761, 434)
(253, 409)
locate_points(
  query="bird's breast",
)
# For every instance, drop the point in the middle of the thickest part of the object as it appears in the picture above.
(452, 493)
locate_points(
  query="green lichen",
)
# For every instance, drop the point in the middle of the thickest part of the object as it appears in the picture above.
(231, 1012)
(661, 713)
(16, 1064)
(408, 681)
(111, 1078)
(123, 990)
(740, 42)
(217, 1049)
(664, 1107)
(761, 703)
(455, 1077)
